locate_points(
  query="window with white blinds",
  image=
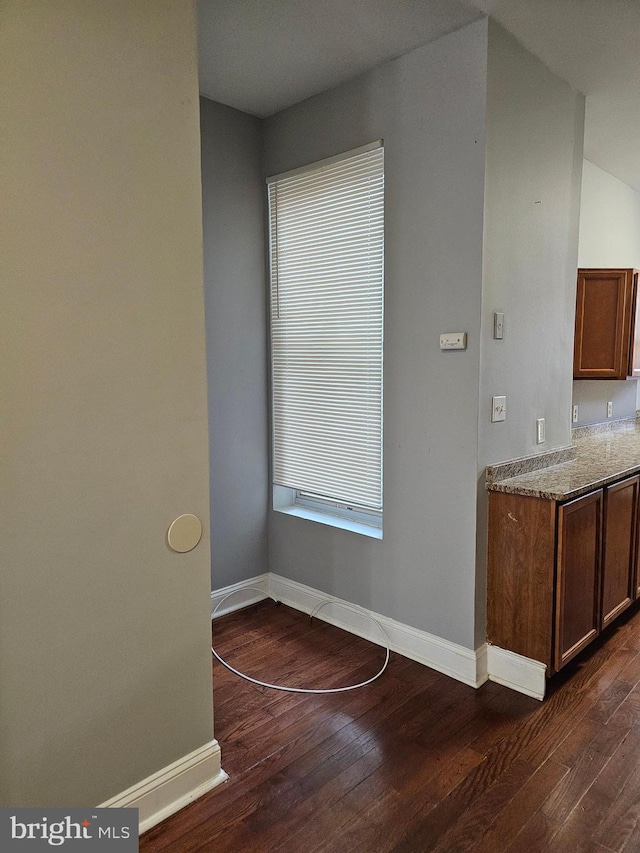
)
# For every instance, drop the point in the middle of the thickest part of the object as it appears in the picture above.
(326, 224)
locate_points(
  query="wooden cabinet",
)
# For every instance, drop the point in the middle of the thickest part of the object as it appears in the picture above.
(521, 572)
(605, 345)
(618, 570)
(560, 572)
(577, 617)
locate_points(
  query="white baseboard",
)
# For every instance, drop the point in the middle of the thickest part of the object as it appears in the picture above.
(162, 794)
(470, 667)
(482, 673)
(442, 655)
(241, 596)
(517, 672)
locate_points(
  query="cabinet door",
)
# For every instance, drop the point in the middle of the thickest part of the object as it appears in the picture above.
(604, 307)
(634, 353)
(618, 576)
(577, 617)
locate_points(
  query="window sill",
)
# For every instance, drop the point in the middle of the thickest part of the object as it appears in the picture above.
(331, 520)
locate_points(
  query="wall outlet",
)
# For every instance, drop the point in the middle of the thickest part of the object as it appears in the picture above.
(498, 409)
(574, 415)
(540, 431)
(453, 340)
(610, 409)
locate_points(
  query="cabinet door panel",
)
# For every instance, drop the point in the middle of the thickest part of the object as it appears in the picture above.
(604, 304)
(577, 619)
(521, 575)
(621, 507)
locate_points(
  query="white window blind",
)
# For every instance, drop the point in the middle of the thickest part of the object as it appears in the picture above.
(327, 271)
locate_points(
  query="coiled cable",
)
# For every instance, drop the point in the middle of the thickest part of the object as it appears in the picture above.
(315, 610)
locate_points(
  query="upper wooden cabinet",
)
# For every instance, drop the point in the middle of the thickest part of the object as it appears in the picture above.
(607, 309)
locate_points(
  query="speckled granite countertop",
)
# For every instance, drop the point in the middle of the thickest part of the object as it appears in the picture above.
(599, 455)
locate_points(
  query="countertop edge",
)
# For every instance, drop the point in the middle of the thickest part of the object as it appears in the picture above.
(560, 462)
(562, 496)
(528, 464)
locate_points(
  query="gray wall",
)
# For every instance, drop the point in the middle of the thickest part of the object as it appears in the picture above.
(534, 158)
(104, 632)
(609, 237)
(592, 395)
(234, 274)
(429, 108)
(535, 125)
(609, 221)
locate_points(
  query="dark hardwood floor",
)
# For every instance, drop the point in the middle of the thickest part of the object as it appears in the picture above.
(416, 761)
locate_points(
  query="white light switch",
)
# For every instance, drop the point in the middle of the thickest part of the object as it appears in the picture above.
(498, 325)
(453, 340)
(540, 431)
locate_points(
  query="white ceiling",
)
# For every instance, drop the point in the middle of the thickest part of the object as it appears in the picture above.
(261, 56)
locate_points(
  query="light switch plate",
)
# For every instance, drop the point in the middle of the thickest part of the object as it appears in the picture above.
(498, 325)
(498, 409)
(540, 431)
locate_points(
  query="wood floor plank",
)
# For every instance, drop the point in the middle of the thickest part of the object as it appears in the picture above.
(317, 793)
(470, 831)
(632, 844)
(581, 736)
(301, 788)
(623, 814)
(304, 791)
(545, 731)
(591, 812)
(454, 824)
(415, 762)
(382, 814)
(575, 784)
(499, 834)
(353, 712)
(587, 764)
(576, 834)
(301, 653)
(536, 835)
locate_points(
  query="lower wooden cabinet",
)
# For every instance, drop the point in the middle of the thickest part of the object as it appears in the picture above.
(560, 572)
(577, 616)
(618, 570)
